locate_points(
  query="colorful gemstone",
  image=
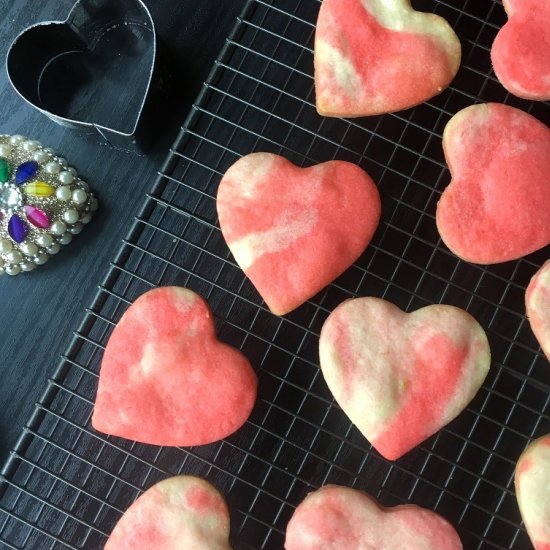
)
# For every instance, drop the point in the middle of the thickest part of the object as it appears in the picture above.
(26, 171)
(5, 170)
(39, 189)
(37, 217)
(17, 229)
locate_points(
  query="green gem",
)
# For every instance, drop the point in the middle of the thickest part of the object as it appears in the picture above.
(5, 170)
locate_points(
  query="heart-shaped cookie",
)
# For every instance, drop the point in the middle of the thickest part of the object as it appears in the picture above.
(497, 207)
(537, 303)
(93, 71)
(340, 518)
(379, 56)
(521, 49)
(294, 230)
(532, 483)
(182, 512)
(401, 377)
(166, 380)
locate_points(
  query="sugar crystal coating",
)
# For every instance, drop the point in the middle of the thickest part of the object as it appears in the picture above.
(401, 377)
(532, 483)
(537, 302)
(294, 230)
(182, 512)
(335, 517)
(165, 379)
(521, 49)
(497, 206)
(378, 56)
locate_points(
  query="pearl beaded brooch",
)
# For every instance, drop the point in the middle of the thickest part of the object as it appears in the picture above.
(43, 203)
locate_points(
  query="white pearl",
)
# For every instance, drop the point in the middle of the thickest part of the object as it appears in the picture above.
(66, 177)
(76, 229)
(45, 239)
(31, 145)
(14, 256)
(70, 216)
(58, 228)
(63, 193)
(30, 249)
(62, 161)
(72, 171)
(40, 156)
(5, 245)
(87, 218)
(17, 138)
(66, 238)
(41, 259)
(49, 150)
(84, 185)
(13, 269)
(53, 167)
(28, 266)
(5, 150)
(80, 196)
(54, 249)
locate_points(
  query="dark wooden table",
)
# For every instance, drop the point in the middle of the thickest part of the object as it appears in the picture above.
(41, 309)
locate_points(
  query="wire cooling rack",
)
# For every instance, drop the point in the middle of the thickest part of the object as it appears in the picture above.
(65, 485)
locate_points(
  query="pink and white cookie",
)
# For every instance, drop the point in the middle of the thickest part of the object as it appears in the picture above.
(379, 56)
(533, 491)
(179, 513)
(497, 206)
(521, 50)
(340, 518)
(165, 379)
(294, 230)
(401, 377)
(537, 303)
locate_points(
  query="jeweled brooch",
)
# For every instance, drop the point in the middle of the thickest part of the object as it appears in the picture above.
(43, 204)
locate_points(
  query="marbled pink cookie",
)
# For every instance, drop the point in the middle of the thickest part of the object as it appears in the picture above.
(401, 377)
(537, 303)
(533, 491)
(340, 518)
(294, 230)
(179, 513)
(165, 379)
(379, 56)
(497, 206)
(521, 50)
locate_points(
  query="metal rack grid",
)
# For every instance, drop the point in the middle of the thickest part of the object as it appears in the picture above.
(65, 485)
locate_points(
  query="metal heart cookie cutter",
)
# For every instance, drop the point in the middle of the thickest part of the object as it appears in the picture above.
(43, 204)
(96, 71)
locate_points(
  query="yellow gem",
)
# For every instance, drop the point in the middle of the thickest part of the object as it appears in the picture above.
(39, 189)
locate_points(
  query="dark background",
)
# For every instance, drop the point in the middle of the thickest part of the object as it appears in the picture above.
(67, 485)
(40, 310)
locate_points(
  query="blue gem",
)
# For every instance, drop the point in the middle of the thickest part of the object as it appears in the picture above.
(26, 172)
(17, 229)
